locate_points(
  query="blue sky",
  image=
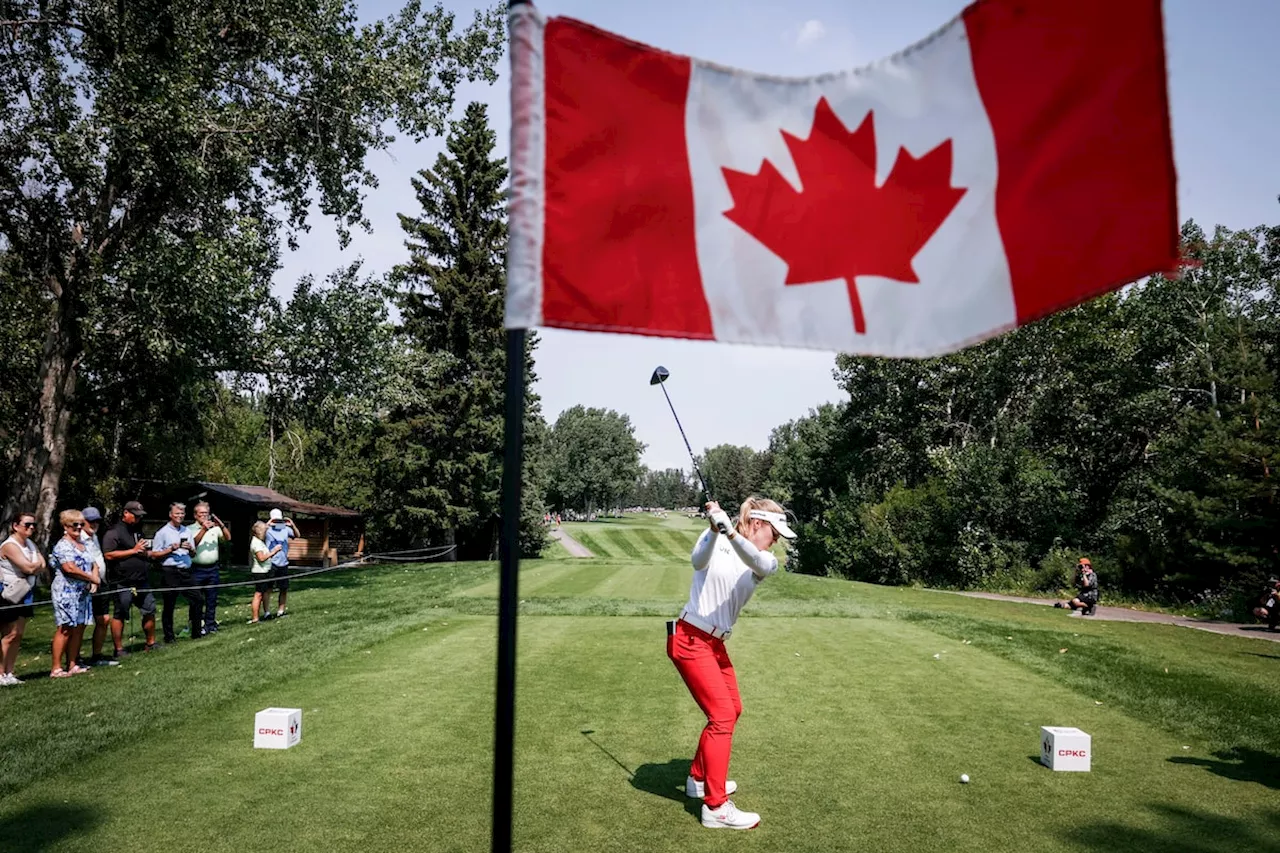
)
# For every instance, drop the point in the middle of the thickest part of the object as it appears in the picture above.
(1224, 78)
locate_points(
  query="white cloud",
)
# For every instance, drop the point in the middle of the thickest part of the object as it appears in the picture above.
(810, 31)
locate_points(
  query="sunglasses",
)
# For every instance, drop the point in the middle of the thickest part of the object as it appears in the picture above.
(27, 524)
(76, 525)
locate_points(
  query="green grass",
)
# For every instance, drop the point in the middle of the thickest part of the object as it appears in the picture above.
(853, 734)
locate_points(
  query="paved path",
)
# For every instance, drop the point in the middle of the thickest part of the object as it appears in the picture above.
(1124, 614)
(573, 546)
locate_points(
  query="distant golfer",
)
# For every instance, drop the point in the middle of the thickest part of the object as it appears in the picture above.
(726, 570)
(1086, 600)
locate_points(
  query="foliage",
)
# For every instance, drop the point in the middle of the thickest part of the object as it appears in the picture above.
(595, 459)
(1141, 427)
(669, 488)
(734, 473)
(150, 153)
(439, 451)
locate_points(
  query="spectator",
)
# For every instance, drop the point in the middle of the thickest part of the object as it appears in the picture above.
(206, 535)
(1086, 600)
(260, 567)
(1268, 607)
(172, 546)
(75, 579)
(101, 601)
(20, 563)
(279, 532)
(127, 568)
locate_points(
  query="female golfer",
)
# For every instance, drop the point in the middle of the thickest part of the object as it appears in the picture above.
(726, 569)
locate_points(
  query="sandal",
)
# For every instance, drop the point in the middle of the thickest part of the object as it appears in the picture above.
(59, 673)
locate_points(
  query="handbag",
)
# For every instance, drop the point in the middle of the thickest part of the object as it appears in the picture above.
(16, 586)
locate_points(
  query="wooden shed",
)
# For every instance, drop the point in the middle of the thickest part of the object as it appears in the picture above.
(326, 534)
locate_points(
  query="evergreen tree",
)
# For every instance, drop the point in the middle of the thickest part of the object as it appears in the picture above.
(441, 455)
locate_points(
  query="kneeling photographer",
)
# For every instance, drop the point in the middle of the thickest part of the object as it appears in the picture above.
(1268, 606)
(1086, 600)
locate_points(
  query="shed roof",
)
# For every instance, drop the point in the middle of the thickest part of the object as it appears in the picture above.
(264, 498)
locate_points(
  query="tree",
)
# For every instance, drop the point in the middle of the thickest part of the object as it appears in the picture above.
(451, 294)
(734, 473)
(151, 150)
(669, 488)
(595, 458)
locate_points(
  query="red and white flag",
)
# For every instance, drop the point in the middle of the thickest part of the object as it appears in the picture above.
(1016, 162)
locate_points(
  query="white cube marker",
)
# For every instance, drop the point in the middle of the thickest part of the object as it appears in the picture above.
(277, 728)
(1064, 748)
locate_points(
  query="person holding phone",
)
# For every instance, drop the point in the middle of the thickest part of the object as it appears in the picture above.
(279, 532)
(207, 534)
(128, 558)
(172, 547)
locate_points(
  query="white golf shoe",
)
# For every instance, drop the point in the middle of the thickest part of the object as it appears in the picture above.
(728, 816)
(697, 790)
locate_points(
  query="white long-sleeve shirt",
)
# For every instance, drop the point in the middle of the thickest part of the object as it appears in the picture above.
(725, 574)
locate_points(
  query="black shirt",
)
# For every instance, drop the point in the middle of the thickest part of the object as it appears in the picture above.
(133, 569)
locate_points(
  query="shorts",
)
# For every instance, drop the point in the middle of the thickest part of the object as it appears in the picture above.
(127, 597)
(102, 602)
(277, 577)
(14, 612)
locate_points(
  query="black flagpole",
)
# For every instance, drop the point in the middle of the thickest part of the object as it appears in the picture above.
(509, 557)
(504, 739)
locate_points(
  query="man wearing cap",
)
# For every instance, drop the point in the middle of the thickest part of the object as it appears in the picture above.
(128, 562)
(729, 561)
(101, 599)
(279, 532)
(1086, 600)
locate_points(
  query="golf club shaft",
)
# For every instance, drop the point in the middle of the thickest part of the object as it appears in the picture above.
(706, 491)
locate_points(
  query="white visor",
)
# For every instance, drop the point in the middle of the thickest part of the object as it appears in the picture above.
(777, 519)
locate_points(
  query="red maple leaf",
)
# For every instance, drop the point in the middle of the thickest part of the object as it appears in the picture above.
(840, 224)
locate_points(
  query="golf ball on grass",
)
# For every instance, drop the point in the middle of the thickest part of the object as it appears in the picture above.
(964, 778)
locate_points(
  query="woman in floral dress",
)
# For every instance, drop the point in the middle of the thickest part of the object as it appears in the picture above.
(74, 582)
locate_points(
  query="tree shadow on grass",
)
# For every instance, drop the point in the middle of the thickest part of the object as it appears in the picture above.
(40, 827)
(1185, 831)
(1240, 764)
(667, 781)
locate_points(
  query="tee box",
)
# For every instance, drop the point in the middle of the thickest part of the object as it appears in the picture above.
(1063, 748)
(277, 728)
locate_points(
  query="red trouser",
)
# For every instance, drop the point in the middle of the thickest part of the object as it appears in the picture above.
(704, 665)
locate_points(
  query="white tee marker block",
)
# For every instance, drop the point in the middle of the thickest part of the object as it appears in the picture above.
(277, 728)
(1063, 748)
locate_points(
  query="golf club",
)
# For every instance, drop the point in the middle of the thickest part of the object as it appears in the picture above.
(659, 378)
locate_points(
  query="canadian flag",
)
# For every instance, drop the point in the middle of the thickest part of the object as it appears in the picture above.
(1016, 162)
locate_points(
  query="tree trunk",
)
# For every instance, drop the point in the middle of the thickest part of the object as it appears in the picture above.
(451, 538)
(43, 451)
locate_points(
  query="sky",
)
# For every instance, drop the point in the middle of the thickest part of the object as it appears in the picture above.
(1224, 81)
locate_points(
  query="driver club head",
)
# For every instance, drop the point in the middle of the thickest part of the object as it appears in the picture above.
(659, 376)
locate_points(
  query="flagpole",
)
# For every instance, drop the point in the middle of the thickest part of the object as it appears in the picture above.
(508, 579)
(509, 561)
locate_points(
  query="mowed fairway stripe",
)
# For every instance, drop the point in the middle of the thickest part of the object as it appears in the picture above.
(633, 579)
